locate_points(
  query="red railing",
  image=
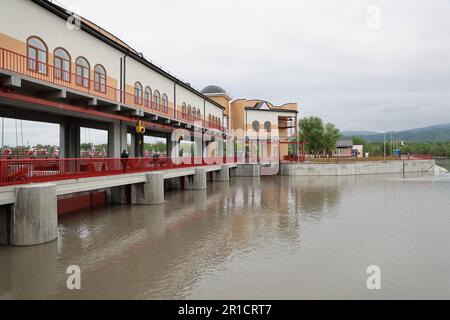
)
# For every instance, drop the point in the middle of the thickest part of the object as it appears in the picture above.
(25, 171)
(17, 63)
(29, 67)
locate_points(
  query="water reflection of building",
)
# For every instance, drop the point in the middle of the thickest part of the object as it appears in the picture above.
(160, 251)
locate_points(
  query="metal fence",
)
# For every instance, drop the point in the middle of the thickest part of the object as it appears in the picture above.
(25, 171)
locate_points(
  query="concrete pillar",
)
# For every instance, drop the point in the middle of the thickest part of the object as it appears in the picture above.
(35, 215)
(138, 145)
(117, 195)
(69, 140)
(247, 170)
(132, 145)
(169, 146)
(155, 188)
(223, 174)
(5, 214)
(149, 193)
(174, 183)
(198, 144)
(117, 139)
(220, 146)
(197, 181)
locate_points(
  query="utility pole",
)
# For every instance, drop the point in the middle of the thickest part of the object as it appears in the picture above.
(384, 145)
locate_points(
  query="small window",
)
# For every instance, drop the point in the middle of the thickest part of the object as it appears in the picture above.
(209, 119)
(267, 126)
(183, 110)
(100, 78)
(148, 97)
(37, 55)
(165, 103)
(199, 115)
(255, 126)
(157, 100)
(138, 93)
(189, 112)
(194, 113)
(62, 65)
(83, 76)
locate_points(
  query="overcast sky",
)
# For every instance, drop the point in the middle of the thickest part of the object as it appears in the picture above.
(363, 65)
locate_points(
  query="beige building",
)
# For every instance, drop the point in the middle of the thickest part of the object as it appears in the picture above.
(266, 127)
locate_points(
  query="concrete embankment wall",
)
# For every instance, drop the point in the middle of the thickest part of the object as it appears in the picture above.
(356, 168)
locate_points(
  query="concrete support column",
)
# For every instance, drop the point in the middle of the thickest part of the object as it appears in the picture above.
(117, 195)
(132, 145)
(197, 181)
(247, 170)
(174, 183)
(220, 146)
(149, 193)
(69, 140)
(5, 214)
(170, 146)
(198, 144)
(117, 139)
(155, 188)
(35, 215)
(139, 145)
(223, 174)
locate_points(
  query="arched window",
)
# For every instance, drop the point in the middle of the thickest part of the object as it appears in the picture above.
(194, 113)
(165, 103)
(83, 76)
(100, 78)
(157, 100)
(138, 93)
(267, 126)
(183, 110)
(209, 119)
(189, 112)
(255, 126)
(37, 55)
(199, 115)
(62, 64)
(148, 97)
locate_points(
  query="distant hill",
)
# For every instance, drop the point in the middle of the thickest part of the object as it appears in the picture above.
(438, 133)
(350, 133)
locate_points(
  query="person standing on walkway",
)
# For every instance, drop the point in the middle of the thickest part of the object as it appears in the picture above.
(124, 159)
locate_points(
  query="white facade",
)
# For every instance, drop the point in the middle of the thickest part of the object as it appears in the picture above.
(20, 19)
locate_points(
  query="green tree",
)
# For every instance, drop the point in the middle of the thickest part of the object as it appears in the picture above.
(330, 138)
(311, 130)
(359, 141)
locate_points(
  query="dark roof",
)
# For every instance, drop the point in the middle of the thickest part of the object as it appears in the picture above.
(344, 144)
(116, 43)
(271, 110)
(213, 90)
(261, 104)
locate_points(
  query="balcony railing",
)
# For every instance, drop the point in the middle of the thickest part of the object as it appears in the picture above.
(20, 64)
(286, 124)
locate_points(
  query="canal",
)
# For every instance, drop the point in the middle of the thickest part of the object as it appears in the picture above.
(274, 237)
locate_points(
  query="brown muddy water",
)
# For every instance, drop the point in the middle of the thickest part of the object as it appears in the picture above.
(268, 238)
